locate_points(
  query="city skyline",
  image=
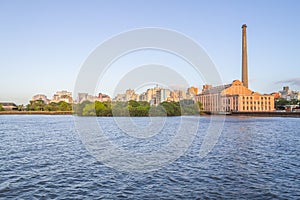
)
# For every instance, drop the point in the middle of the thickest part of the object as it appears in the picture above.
(45, 44)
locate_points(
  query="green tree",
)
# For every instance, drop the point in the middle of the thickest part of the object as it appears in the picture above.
(120, 109)
(37, 105)
(1, 107)
(64, 106)
(89, 110)
(103, 108)
(20, 107)
(172, 108)
(157, 111)
(78, 108)
(280, 103)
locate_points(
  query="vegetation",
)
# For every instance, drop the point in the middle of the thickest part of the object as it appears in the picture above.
(1, 107)
(40, 105)
(137, 108)
(130, 108)
(281, 102)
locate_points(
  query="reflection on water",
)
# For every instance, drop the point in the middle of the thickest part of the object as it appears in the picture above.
(42, 157)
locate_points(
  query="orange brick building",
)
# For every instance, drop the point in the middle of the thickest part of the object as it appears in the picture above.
(234, 97)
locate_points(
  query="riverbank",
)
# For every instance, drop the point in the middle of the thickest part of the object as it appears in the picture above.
(36, 113)
(256, 114)
(248, 114)
(267, 114)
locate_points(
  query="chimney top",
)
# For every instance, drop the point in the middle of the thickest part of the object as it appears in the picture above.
(244, 26)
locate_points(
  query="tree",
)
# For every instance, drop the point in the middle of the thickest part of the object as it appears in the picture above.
(37, 105)
(78, 109)
(20, 107)
(120, 109)
(172, 108)
(89, 110)
(64, 106)
(1, 107)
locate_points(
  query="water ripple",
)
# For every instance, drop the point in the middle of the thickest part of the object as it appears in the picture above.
(42, 157)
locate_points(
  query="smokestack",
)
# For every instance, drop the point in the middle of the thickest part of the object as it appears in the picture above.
(244, 57)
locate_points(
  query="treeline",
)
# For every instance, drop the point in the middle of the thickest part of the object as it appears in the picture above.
(130, 108)
(137, 108)
(40, 105)
(281, 102)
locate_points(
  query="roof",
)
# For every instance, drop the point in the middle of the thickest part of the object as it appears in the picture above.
(8, 104)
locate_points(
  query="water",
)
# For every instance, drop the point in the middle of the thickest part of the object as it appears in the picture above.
(42, 157)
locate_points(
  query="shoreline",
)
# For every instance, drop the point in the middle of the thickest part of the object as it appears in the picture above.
(36, 113)
(247, 114)
(267, 114)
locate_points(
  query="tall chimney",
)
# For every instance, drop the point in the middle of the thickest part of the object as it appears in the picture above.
(244, 57)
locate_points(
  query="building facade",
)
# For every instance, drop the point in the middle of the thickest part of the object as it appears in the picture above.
(40, 97)
(62, 96)
(234, 97)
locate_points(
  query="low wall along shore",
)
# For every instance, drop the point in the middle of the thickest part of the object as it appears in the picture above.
(251, 114)
(267, 114)
(36, 113)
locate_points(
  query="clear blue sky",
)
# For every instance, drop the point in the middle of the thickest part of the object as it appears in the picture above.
(44, 43)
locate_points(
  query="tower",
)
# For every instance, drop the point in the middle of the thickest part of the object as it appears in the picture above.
(244, 57)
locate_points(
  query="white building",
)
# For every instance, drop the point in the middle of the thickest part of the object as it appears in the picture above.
(62, 96)
(40, 97)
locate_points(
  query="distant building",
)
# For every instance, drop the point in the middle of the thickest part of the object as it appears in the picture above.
(40, 97)
(288, 94)
(130, 95)
(142, 97)
(82, 97)
(86, 97)
(276, 95)
(103, 97)
(192, 90)
(9, 106)
(234, 97)
(164, 95)
(62, 96)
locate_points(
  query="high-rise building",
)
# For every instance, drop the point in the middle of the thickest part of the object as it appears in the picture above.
(62, 96)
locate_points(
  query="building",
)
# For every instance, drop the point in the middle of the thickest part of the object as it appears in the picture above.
(82, 97)
(288, 94)
(62, 96)
(235, 97)
(164, 95)
(40, 97)
(192, 90)
(7, 106)
(103, 97)
(130, 95)
(86, 97)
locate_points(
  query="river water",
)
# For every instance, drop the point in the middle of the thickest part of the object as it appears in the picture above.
(44, 157)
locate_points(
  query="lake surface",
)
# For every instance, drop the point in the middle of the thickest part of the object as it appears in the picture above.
(44, 157)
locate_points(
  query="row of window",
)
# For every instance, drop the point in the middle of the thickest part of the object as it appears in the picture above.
(260, 98)
(247, 102)
(250, 108)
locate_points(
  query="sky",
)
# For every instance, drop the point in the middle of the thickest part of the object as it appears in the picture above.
(43, 44)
